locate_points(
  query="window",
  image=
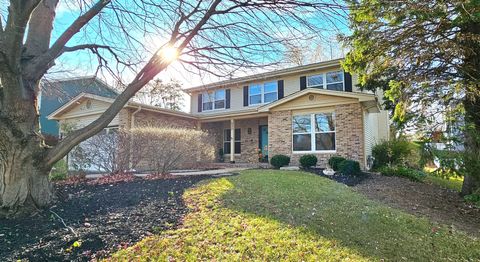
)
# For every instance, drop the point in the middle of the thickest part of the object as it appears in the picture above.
(319, 136)
(263, 93)
(226, 141)
(213, 100)
(329, 81)
(335, 81)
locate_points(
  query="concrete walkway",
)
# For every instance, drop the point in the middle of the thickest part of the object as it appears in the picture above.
(212, 172)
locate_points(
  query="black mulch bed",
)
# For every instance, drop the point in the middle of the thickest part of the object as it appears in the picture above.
(340, 178)
(104, 217)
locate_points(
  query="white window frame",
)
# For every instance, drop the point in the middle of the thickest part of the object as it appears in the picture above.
(227, 134)
(212, 99)
(313, 133)
(324, 78)
(262, 93)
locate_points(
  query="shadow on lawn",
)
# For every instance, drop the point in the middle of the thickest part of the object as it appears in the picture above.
(329, 210)
(104, 217)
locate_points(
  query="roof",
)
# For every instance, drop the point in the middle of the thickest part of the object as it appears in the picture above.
(362, 97)
(56, 93)
(281, 72)
(81, 97)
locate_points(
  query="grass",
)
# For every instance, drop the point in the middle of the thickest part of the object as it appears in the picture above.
(453, 183)
(295, 216)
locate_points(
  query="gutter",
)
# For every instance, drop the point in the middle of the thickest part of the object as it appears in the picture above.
(132, 121)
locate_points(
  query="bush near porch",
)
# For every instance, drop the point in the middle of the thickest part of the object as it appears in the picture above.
(155, 149)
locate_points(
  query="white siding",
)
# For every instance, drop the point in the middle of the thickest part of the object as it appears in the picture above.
(376, 126)
(291, 85)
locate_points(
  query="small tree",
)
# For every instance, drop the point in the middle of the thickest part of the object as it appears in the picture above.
(167, 95)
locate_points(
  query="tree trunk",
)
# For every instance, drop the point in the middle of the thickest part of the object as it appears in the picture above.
(24, 183)
(471, 72)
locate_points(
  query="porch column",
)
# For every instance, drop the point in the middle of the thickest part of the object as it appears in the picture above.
(232, 141)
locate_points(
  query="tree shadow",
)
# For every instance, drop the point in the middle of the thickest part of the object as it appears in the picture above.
(329, 210)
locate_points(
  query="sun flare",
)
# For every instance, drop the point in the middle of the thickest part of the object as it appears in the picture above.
(168, 53)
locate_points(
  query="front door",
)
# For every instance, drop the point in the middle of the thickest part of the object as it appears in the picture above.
(263, 142)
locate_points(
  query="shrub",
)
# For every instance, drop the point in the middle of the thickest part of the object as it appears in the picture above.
(307, 161)
(162, 149)
(349, 167)
(396, 153)
(400, 171)
(335, 161)
(280, 160)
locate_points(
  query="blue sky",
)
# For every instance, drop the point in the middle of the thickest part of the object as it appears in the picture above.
(143, 42)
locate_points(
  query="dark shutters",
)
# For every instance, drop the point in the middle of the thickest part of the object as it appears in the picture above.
(227, 98)
(347, 77)
(303, 82)
(280, 89)
(200, 102)
(245, 96)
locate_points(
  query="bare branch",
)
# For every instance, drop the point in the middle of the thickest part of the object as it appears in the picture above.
(39, 65)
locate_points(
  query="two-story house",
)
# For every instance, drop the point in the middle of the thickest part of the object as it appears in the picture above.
(311, 109)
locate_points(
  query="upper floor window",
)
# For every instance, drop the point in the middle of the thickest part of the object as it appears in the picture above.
(263, 93)
(329, 81)
(213, 100)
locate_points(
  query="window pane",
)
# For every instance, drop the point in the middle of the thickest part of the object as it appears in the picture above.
(226, 135)
(270, 97)
(270, 87)
(337, 87)
(255, 99)
(207, 106)
(316, 80)
(219, 104)
(238, 148)
(301, 124)
(324, 123)
(333, 77)
(206, 97)
(237, 134)
(226, 148)
(325, 141)
(220, 94)
(255, 90)
(302, 142)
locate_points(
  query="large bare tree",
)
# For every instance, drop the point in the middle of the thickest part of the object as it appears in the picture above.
(211, 36)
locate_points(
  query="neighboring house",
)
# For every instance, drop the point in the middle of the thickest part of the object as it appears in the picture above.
(312, 109)
(54, 94)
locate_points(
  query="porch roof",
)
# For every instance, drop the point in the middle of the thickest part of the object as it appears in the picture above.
(368, 100)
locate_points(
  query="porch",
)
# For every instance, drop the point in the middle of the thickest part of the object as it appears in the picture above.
(239, 139)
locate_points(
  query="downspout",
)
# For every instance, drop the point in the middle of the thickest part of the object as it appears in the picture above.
(132, 125)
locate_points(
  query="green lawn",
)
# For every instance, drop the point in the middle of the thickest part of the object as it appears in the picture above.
(454, 183)
(274, 215)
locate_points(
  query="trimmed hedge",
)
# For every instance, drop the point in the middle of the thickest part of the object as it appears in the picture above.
(349, 167)
(280, 160)
(307, 161)
(335, 161)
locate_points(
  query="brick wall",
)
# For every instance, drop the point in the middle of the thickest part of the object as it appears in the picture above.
(349, 134)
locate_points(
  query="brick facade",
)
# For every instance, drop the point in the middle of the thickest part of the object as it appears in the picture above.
(349, 134)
